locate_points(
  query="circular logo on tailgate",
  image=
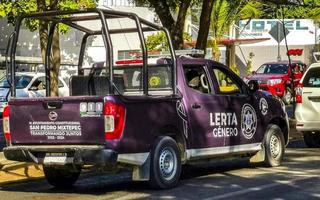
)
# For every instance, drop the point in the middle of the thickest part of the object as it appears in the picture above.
(53, 116)
(248, 121)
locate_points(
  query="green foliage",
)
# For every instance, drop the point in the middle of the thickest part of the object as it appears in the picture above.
(235, 69)
(308, 9)
(249, 63)
(11, 9)
(312, 10)
(159, 42)
(225, 13)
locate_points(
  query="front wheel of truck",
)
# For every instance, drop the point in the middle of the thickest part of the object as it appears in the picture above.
(274, 146)
(165, 165)
(61, 177)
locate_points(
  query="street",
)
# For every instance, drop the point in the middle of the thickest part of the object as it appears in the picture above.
(297, 178)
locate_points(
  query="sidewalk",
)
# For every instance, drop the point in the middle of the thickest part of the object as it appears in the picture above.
(12, 171)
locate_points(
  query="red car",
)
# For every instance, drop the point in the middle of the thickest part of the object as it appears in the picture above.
(275, 77)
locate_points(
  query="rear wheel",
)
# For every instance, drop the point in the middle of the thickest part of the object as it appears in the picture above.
(61, 177)
(312, 140)
(165, 166)
(274, 146)
(287, 96)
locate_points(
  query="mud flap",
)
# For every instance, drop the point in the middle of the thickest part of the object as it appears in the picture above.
(259, 156)
(141, 172)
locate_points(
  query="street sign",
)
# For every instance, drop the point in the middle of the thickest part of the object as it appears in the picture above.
(278, 36)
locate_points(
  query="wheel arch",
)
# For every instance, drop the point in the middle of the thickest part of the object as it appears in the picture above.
(173, 132)
(283, 126)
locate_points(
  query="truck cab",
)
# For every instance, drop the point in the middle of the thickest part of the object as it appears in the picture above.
(148, 115)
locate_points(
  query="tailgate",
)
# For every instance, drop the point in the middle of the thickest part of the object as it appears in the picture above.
(47, 120)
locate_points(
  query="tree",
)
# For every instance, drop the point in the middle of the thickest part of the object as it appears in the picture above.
(11, 9)
(225, 13)
(158, 41)
(205, 21)
(172, 14)
(291, 9)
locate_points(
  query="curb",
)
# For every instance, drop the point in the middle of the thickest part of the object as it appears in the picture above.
(14, 172)
(18, 176)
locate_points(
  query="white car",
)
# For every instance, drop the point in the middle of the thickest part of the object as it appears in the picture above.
(307, 111)
(29, 84)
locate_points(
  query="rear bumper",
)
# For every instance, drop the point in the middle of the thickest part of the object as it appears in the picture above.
(308, 126)
(306, 120)
(78, 155)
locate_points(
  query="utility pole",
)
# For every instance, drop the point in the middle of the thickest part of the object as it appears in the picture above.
(278, 40)
(293, 92)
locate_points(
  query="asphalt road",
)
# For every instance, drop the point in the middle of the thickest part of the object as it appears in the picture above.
(297, 178)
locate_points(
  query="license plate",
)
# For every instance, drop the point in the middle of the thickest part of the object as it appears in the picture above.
(57, 158)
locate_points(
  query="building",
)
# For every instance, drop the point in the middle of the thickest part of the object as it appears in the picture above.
(301, 34)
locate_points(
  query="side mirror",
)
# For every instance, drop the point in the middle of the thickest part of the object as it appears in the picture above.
(33, 88)
(253, 72)
(253, 85)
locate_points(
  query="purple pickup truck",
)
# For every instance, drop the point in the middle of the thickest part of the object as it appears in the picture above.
(148, 115)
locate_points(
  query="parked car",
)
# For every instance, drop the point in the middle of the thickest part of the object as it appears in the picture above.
(28, 84)
(275, 77)
(149, 117)
(307, 112)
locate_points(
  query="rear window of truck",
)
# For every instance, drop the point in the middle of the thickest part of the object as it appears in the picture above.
(312, 78)
(127, 79)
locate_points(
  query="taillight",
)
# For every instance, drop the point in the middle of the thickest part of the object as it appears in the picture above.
(6, 124)
(114, 119)
(299, 89)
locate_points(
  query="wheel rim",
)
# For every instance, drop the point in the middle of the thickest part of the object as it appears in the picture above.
(168, 163)
(275, 146)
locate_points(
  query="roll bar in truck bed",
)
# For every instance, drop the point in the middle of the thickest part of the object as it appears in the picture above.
(70, 18)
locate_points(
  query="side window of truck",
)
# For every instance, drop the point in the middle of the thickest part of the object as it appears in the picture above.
(225, 83)
(196, 78)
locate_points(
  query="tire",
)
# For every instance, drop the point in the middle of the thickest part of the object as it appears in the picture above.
(287, 96)
(165, 165)
(274, 146)
(311, 140)
(61, 177)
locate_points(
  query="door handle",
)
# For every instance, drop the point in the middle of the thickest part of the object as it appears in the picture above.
(51, 105)
(196, 106)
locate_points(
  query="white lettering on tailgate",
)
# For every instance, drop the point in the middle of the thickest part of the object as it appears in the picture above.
(55, 130)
